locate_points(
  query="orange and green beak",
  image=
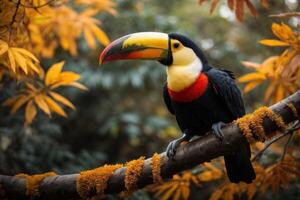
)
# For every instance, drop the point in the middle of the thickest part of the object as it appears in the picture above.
(143, 45)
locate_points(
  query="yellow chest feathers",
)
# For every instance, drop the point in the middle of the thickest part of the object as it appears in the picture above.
(181, 77)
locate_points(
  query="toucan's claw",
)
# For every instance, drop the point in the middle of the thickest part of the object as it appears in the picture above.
(172, 147)
(217, 130)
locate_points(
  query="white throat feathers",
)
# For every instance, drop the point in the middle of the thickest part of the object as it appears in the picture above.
(183, 76)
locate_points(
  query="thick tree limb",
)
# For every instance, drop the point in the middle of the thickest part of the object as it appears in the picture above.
(187, 156)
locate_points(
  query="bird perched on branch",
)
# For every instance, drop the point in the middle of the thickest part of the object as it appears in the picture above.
(201, 97)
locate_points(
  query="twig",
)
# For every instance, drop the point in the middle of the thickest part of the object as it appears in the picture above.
(35, 7)
(283, 15)
(290, 131)
(14, 18)
(286, 146)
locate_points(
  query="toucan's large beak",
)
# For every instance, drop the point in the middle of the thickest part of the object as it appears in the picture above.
(144, 45)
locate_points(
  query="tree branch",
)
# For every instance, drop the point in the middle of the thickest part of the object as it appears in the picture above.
(290, 131)
(189, 155)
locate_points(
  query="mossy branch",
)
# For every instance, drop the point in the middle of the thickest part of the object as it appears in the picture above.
(189, 155)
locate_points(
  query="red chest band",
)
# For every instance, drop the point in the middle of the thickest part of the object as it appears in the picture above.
(192, 92)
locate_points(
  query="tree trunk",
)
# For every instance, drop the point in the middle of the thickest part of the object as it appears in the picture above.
(189, 155)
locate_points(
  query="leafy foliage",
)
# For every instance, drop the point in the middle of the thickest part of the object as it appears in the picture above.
(38, 28)
(179, 186)
(282, 71)
(238, 6)
(41, 94)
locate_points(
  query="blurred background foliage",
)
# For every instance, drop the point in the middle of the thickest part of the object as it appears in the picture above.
(122, 116)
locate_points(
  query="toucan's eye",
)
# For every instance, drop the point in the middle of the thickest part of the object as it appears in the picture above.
(176, 45)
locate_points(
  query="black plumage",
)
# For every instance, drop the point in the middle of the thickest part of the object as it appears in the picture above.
(221, 101)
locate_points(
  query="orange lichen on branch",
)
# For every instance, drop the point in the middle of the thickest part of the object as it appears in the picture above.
(33, 183)
(95, 180)
(293, 109)
(133, 172)
(252, 128)
(156, 165)
(244, 125)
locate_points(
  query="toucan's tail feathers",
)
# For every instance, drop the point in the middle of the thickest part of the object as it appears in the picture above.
(239, 167)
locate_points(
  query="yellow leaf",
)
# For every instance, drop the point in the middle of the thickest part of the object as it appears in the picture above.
(269, 91)
(26, 53)
(162, 188)
(100, 35)
(252, 77)
(185, 192)
(177, 194)
(3, 47)
(34, 67)
(54, 106)
(21, 61)
(65, 78)
(250, 64)
(270, 42)
(89, 38)
(11, 101)
(53, 73)
(250, 86)
(30, 112)
(62, 100)
(39, 100)
(30, 87)
(12, 60)
(279, 93)
(79, 86)
(18, 103)
(169, 192)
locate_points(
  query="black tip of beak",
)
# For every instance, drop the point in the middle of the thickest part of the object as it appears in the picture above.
(112, 49)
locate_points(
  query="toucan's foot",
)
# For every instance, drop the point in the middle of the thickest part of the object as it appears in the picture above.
(172, 147)
(217, 129)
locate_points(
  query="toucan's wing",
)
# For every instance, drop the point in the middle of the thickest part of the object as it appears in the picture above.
(167, 99)
(224, 84)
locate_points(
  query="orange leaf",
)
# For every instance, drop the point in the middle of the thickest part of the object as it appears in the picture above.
(250, 64)
(251, 8)
(3, 47)
(279, 95)
(270, 42)
(11, 101)
(239, 10)
(264, 3)
(230, 4)
(79, 86)
(100, 35)
(21, 61)
(185, 192)
(269, 91)
(20, 102)
(39, 100)
(12, 60)
(250, 86)
(252, 77)
(65, 78)
(30, 112)
(201, 1)
(213, 5)
(53, 73)
(89, 38)
(26, 53)
(54, 106)
(169, 192)
(62, 100)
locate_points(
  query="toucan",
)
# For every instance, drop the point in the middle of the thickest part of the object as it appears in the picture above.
(200, 96)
